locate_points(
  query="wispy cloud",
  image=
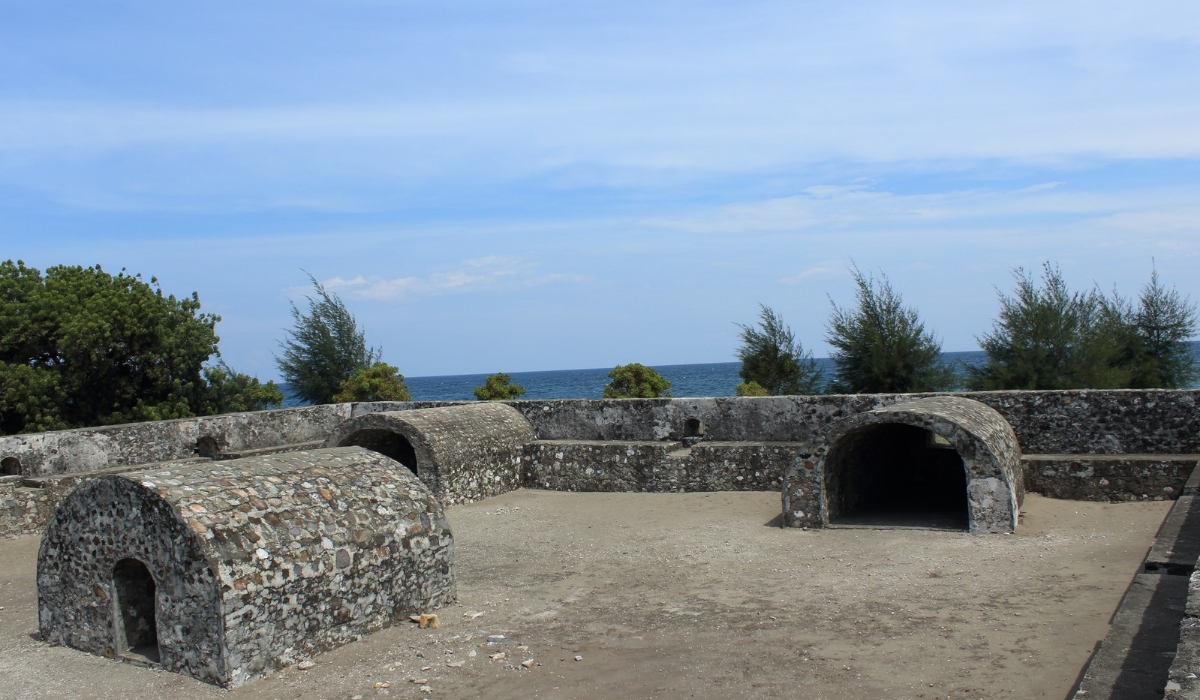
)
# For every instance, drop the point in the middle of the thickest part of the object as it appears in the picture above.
(823, 269)
(834, 208)
(486, 274)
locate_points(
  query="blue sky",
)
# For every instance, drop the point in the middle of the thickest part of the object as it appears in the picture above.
(514, 186)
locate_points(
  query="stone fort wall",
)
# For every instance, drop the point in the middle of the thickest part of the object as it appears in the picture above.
(1045, 422)
(1074, 444)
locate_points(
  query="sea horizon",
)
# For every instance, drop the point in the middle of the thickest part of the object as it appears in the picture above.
(704, 379)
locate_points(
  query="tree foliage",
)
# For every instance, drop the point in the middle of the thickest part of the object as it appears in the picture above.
(773, 360)
(1164, 322)
(751, 388)
(379, 382)
(82, 347)
(324, 349)
(230, 391)
(498, 387)
(636, 381)
(881, 345)
(1048, 337)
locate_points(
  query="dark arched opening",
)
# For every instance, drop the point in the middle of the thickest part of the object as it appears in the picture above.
(693, 428)
(207, 447)
(10, 466)
(388, 443)
(895, 475)
(134, 623)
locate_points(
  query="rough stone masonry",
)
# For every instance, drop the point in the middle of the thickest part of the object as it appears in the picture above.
(227, 571)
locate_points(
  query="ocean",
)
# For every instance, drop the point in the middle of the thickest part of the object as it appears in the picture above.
(706, 379)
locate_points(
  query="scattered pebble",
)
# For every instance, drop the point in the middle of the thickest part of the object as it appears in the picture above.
(454, 664)
(495, 637)
(497, 656)
(471, 653)
(578, 657)
(383, 685)
(472, 615)
(305, 665)
(527, 663)
(419, 681)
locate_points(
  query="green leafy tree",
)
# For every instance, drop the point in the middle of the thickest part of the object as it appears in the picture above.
(773, 360)
(635, 381)
(379, 382)
(324, 349)
(82, 347)
(230, 391)
(881, 345)
(1164, 322)
(751, 388)
(498, 387)
(1048, 337)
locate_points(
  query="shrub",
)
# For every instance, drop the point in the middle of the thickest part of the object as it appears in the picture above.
(498, 387)
(635, 381)
(751, 388)
(230, 391)
(773, 361)
(379, 382)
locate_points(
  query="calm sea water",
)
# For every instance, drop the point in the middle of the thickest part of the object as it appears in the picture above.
(711, 379)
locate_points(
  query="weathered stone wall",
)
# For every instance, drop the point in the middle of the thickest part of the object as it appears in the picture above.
(1133, 421)
(1184, 683)
(90, 449)
(258, 562)
(1110, 478)
(463, 452)
(1045, 422)
(660, 466)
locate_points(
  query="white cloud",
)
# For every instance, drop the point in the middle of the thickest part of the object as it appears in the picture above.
(486, 274)
(824, 269)
(831, 209)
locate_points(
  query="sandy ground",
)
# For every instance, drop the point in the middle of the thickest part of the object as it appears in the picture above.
(692, 596)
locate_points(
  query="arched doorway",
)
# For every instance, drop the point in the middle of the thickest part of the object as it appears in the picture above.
(895, 475)
(911, 463)
(135, 625)
(10, 466)
(386, 442)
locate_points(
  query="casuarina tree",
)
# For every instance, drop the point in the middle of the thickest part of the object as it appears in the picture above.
(773, 361)
(324, 349)
(881, 346)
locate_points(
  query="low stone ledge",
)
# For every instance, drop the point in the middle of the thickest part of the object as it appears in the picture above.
(1108, 478)
(660, 466)
(1184, 678)
(594, 465)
